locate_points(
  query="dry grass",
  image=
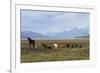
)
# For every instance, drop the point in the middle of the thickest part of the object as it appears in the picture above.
(78, 49)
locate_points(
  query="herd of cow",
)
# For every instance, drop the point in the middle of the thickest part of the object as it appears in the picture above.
(33, 44)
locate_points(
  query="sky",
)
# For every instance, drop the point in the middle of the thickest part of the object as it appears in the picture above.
(51, 22)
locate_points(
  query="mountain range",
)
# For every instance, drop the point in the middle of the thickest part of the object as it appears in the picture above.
(31, 34)
(73, 33)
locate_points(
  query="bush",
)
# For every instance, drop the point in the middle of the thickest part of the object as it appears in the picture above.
(76, 45)
(80, 46)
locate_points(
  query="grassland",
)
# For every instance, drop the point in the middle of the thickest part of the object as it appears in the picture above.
(69, 49)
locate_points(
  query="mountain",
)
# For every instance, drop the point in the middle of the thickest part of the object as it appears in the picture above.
(75, 32)
(82, 36)
(31, 34)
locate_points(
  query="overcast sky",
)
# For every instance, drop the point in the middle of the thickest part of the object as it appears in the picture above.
(48, 21)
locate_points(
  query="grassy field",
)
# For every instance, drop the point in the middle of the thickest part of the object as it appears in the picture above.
(70, 49)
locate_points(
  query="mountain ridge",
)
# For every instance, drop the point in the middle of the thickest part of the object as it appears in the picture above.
(73, 33)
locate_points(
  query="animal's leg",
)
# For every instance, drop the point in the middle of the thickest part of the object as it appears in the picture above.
(33, 46)
(36, 45)
(29, 45)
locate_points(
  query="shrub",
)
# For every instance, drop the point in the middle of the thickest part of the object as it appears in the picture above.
(80, 46)
(76, 45)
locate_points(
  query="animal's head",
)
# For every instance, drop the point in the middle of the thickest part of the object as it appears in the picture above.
(28, 38)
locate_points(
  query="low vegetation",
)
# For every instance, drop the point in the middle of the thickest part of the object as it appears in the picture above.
(72, 49)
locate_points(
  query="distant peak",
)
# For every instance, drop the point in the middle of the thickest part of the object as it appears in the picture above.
(76, 28)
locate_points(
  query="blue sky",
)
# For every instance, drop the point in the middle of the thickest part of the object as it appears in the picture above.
(49, 21)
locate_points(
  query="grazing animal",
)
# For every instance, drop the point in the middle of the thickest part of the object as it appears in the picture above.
(55, 45)
(62, 46)
(31, 42)
(37, 45)
(47, 46)
(68, 45)
(44, 45)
